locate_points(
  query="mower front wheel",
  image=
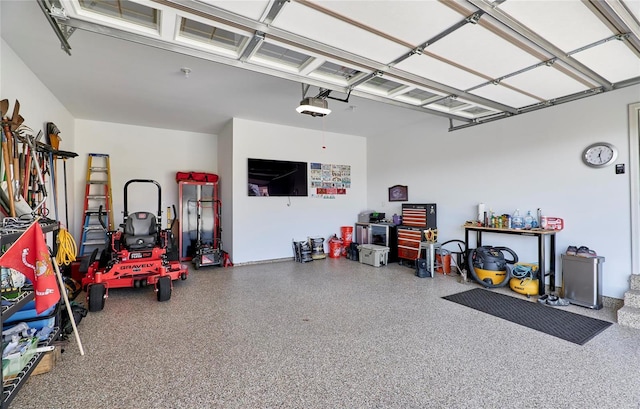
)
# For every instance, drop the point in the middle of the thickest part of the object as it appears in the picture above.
(96, 297)
(163, 288)
(196, 263)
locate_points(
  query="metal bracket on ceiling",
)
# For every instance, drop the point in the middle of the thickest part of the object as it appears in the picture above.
(67, 30)
(305, 88)
(256, 40)
(619, 37)
(473, 19)
(365, 79)
(324, 93)
(346, 100)
(496, 81)
(273, 11)
(63, 32)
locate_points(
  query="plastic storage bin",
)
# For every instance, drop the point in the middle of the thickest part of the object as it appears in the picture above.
(373, 254)
(28, 314)
(582, 280)
(12, 365)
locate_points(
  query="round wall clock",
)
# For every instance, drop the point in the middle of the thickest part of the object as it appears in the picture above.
(599, 154)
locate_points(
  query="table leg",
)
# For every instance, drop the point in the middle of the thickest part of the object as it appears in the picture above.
(466, 244)
(552, 262)
(542, 267)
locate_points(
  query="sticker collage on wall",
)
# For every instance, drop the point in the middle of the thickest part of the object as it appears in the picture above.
(328, 181)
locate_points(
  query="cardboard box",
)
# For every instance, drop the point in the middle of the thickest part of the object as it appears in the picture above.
(551, 223)
(373, 254)
(48, 362)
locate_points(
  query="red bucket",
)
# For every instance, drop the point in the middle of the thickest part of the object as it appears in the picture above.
(335, 247)
(443, 263)
(345, 246)
(347, 233)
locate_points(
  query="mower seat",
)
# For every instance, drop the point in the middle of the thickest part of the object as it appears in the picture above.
(140, 231)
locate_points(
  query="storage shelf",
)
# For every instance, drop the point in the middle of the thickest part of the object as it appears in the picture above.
(9, 235)
(17, 303)
(13, 385)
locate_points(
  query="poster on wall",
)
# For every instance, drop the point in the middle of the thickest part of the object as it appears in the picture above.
(328, 180)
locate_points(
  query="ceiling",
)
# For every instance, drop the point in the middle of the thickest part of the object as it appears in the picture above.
(381, 65)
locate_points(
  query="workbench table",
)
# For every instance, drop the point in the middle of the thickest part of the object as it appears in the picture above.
(541, 236)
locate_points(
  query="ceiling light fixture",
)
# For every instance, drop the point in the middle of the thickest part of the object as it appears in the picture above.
(314, 107)
(186, 71)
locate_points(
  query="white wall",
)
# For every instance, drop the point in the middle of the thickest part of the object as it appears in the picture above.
(137, 152)
(39, 106)
(264, 227)
(225, 171)
(527, 162)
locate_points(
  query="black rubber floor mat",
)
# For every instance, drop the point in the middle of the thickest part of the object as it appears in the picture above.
(566, 325)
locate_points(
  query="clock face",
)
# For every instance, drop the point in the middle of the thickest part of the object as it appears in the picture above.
(599, 154)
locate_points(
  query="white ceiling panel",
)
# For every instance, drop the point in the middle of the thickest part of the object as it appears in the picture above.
(411, 21)
(439, 71)
(504, 95)
(476, 47)
(567, 24)
(546, 82)
(253, 9)
(309, 23)
(599, 58)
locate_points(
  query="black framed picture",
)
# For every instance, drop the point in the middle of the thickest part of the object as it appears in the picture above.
(398, 193)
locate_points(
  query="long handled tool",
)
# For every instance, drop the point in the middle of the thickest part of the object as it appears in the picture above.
(9, 152)
(7, 167)
(4, 107)
(66, 303)
(30, 141)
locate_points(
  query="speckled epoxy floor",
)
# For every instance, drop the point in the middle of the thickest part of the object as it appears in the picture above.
(332, 333)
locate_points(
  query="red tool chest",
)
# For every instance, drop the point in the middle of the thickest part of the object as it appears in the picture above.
(419, 215)
(416, 218)
(409, 242)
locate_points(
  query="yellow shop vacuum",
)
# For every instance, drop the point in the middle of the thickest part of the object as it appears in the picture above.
(489, 267)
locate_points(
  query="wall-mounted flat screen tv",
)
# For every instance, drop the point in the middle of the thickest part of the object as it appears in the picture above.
(277, 178)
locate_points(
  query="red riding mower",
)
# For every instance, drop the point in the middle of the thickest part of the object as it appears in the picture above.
(140, 254)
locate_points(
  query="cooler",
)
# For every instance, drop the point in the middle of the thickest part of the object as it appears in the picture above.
(373, 254)
(582, 280)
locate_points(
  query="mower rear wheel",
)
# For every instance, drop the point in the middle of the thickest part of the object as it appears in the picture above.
(196, 263)
(164, 288)
(96, 297)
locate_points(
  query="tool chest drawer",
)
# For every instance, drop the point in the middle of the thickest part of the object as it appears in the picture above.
(409, 243)
(419, 215)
